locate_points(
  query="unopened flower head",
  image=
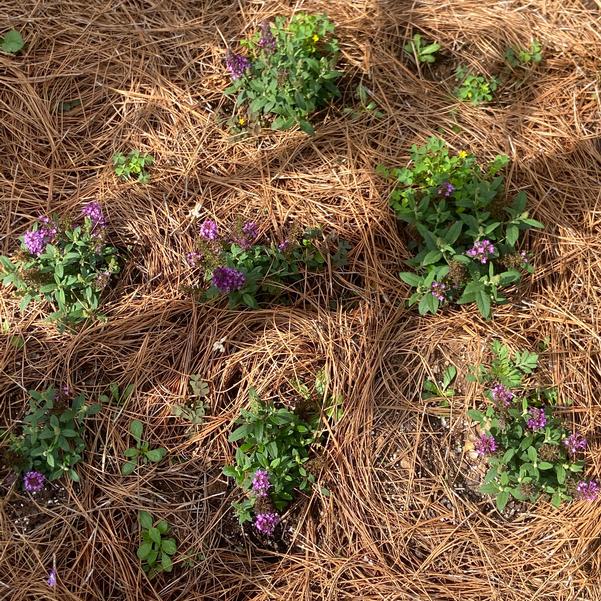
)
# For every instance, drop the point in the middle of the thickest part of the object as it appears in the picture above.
(228, 279)
(446, 189)
(236, 64)
(265, 523)
(261, 483)
(193, 258)
(574, 443)
(267, 41)
(438, 290)
(208, 230)
(537, 419)
(33, 481)
(481, 251)
(485, 445)
(283, 245)
(93, 210)
(588, 490)
(502, 395)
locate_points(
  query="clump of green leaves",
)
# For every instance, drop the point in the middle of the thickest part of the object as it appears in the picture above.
(419, 51)
(366, 104)
(532, 455)
(156, 551)
(278, 440)
(141, 451)
(66, 264)
(193, 411)
(290, 73)
(474, 88)
(522, 57)
(12, 42)
(443, 390)
(453, 206)
(134, 165)
(51, 441)
(268, 268)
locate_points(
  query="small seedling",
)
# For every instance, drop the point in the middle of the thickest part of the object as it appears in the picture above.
(68, 105)
(12, 42)
(366, 104)
(141, 451)
(115, 395)
(522, 57)
(133, 165)
(434, 390)
(421, 52)
(194, 410)
(155, 552)
(474, 88)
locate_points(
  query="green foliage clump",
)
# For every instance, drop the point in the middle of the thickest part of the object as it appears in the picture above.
(522, 57)
(155, 551)
(291, 73)
(278, 440)
(474, 88)
(51, 441)
(141, 451)
(72, 268)
(419, 51)
(454, 206)
(12, 42)
(533, 455)
(135, 164)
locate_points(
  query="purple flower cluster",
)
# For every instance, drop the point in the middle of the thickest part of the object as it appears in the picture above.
(500, 394)
(193, 258)
(236, 64)
(261, 483)
(37, 240)
(250, 232)
(267, 41)
(283, 245)
(228, 279)
(265, 523)
(485, 445)
(208, 230)
(574, 443)
(537, 420)
(33, 481)
(481, 251)
(93, 210)
(588, 491)
(438, 290)
(446, 189)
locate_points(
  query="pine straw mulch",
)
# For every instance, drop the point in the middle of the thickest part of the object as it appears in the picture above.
(400, 523)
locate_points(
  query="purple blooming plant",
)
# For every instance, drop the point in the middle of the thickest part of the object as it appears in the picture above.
(33, 481)
(575, 443)
(265, 523)
(51, 582)
(208, 230)
(501, 395)
(93, 211)
(482, 251)
(261, 484)
(446, 189)
(588, 490)
(485, 445)
(236, 64)
(438, 291)
(228, 279)
(537, 420)
(267, 40)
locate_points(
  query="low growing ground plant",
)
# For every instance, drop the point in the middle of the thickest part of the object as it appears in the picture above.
(531, 454)
(141, 452)
(474, 88)
(12, 42)
(274, 448)
(249, 270)
(465, 231)
(66, 264)
(155, 551)
(288, 72)
(421, 52)
(134, 165)
(51, 442)
(523, 57)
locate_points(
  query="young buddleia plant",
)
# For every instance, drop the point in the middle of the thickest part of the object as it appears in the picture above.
(156, 550)
(421, 52)
(141, 452)
(287, 74)
(443, 390)
(134, 165)
(474, 88)
(530, 453)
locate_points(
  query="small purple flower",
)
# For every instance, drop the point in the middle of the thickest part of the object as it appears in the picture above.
(537, 420)
(481, 251)
(525, 258)
(208, 230)
(93, 211)
(236, 64)
(250, 230)
(485, 445)
(283, 245)
(33, 481)
(265, 523)
(193, 258)
(36, 240)
(438, 290)
(261, 483)
(500, 394)
(228, 279)
(267, 41)
(51, 578)
(446, 189)
(588, 491)
(574, 443)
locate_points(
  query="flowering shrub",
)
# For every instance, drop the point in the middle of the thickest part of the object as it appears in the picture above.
(287, 74)
(271, 459)
(240, 266)
(66, 264)
(530, 452)
(466, 231)
(51, 443)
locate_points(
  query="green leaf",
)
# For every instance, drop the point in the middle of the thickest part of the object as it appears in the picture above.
(12, 42)
(128, 468)
(410, 278)
(512, 234)
(155, 535)
(155, 455)
(144, 550)
(169, 546)
(483, 303)
(502, 499)
(145, 519)
(431, 257)
(136, 429)
(166, 562)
